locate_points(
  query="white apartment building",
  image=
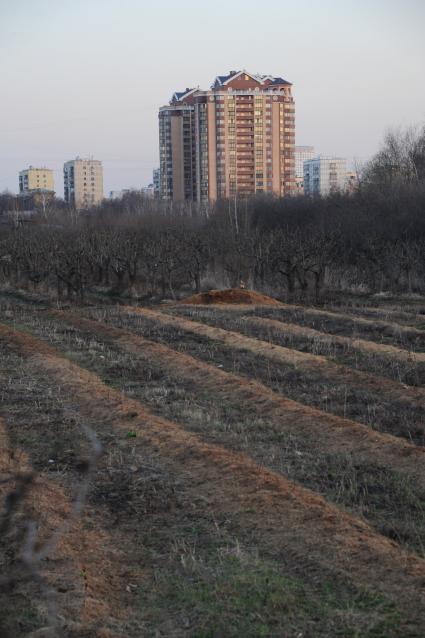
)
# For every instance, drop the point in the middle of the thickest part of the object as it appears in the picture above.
(119, 194)
(156, 180)
(83, 182)
(325, 175)
(302, 154)
(148, 191)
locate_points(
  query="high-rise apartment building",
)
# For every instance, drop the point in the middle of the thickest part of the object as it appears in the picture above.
(325, 175)
(83, 182)
(177, 151)
(35, 179)
(235, 139)
(302, 154)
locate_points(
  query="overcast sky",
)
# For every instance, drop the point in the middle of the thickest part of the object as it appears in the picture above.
(86, 77)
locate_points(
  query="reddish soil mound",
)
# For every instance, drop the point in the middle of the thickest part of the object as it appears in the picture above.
(231, 296)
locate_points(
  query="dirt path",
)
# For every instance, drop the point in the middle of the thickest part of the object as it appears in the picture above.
(285, 517)
(330, 433)
(78, 579)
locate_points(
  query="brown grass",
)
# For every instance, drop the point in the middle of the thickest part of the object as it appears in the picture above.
(391, 501)
(384, 312)
(301, 360)
(332, 434)
(285, 517)
(317, 313)
(80, 574)
(363, 345)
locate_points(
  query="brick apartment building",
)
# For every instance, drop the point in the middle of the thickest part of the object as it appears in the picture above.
(237, 138)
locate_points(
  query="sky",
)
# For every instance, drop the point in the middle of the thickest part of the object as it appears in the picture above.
(86, 77)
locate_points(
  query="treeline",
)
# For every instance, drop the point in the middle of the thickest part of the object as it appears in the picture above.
(372, 240)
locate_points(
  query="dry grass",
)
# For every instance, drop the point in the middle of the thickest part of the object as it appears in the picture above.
(403, 364)
(335, 388)
(228, 547)
(67, 581)
(247, 417)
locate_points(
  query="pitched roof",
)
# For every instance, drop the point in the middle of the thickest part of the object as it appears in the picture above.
(179, 95)
(221, 80)
(224, 79)
(280, 81)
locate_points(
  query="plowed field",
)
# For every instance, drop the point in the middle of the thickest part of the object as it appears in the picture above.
(209, 471)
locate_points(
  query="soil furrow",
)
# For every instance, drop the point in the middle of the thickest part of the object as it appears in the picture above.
(74, 580)
(330, 433)
(392, 326)
(285, 517)
(301, 360)
(363, 345)
(400, 363)
(226, 418)
(334, 320)
(411, 318)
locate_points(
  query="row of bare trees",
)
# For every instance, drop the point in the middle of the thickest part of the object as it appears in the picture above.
(287, 248)
(373, 239)
(76, 259)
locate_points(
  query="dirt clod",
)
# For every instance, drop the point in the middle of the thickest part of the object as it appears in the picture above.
(231, 296)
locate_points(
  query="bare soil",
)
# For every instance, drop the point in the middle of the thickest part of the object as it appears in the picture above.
(400, 362)
(198, 521)
(231, 296)
(284, 516)
(280, 354)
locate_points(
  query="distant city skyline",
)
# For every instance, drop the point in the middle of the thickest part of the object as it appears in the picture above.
(87, 78)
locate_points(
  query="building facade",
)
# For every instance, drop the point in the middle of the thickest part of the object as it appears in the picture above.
(324, 175)
(351, 181)
(177, 152)
(156, 180)
(36, 179)
(302, 154)
(235, 139)
(119, 194)
(83, 183)
(148, 191)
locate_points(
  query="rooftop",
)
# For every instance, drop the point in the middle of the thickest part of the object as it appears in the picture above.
(223, 80)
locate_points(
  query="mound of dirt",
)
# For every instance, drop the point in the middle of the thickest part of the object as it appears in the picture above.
(231, 296)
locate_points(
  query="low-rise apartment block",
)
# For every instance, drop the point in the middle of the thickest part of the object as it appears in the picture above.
(119, 194)
(301, 155)
(83, 182)
(36, 179)
(324, 175)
